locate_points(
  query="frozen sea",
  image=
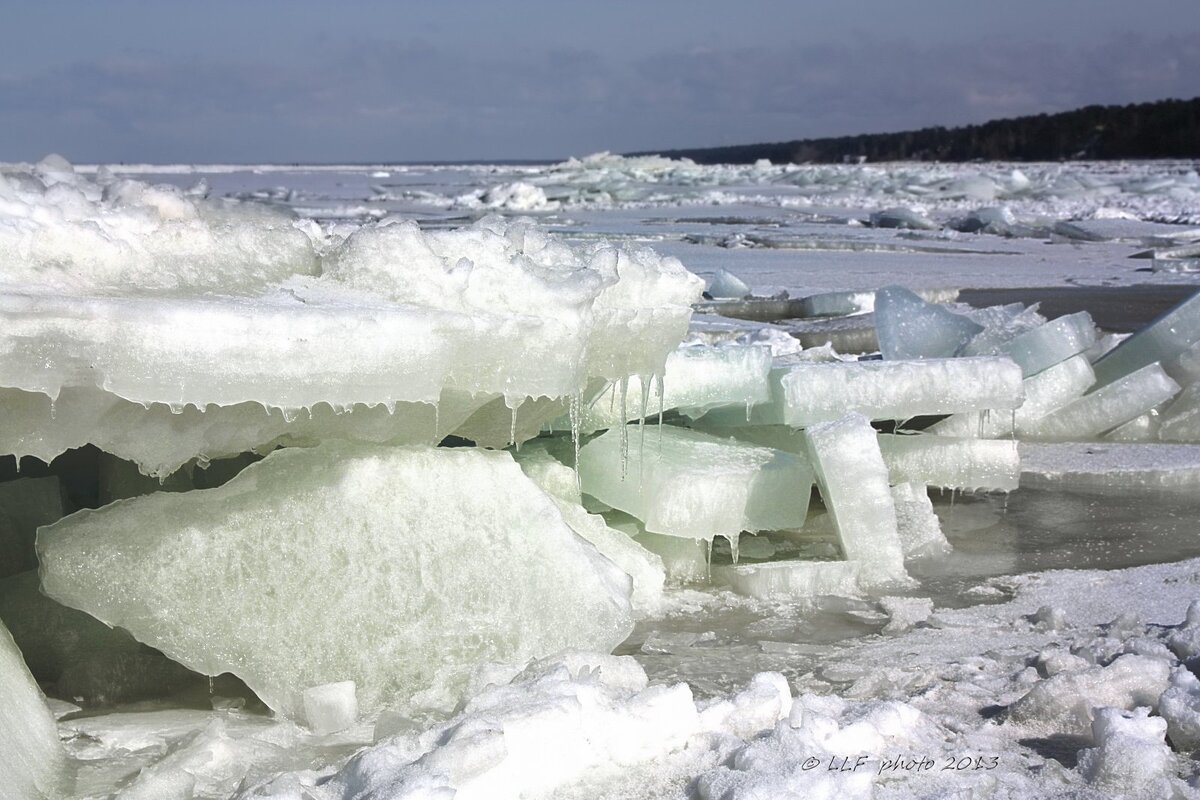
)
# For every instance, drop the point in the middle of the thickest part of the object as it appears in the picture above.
(1086, 572)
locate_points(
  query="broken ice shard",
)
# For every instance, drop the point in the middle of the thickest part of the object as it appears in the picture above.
(31, 758)
(396, 568)
(919, 528)
(822, 392)
(1049, 344)
(854, 484)
(685, 483)
(1107, 407)
(1163, 340)
(908, 327)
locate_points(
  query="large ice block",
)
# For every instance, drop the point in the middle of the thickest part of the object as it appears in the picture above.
(854, 484)
(697, 378)
(1048, 390)
(398, 568)
(908, 327)
(32, 762)
(683, 483)
(25, 504)
(989, 465)
(822, 392)
(1105, 408)
(397, 315)
(1049, 344)
(1163, 340)
(1110, 466)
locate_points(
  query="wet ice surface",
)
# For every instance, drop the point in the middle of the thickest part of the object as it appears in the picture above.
(980, 627)
(716, 643)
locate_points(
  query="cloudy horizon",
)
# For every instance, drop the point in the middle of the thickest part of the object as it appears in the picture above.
(276, 82)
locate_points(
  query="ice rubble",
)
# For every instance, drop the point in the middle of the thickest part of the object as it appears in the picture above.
(344, 562)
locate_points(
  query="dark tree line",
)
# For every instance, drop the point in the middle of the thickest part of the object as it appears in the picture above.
(1163, 129)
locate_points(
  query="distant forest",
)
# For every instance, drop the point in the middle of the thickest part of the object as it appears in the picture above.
(1164, 129)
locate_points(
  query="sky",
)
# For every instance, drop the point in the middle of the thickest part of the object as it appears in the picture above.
(275, 81)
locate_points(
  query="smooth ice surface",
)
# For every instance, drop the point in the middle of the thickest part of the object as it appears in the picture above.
(31, 758)
(1046, 345)
(397, 568)
(683, 483)
(951, 463)
(1050, 389)
(1165, 339)
(1110, 465)
(908, 327)
(25, 504)
(821, 392)
(1106, 407)
(854, 484)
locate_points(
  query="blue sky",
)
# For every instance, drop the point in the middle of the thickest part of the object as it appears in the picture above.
(267, 81)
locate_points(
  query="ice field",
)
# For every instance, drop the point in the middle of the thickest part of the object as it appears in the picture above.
(619, 478)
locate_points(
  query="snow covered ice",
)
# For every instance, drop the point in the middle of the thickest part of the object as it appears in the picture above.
(278, 397)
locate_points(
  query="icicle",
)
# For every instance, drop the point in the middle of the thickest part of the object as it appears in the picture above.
(437, 421)
(289, 414)
(210, 686)
(733, 545)
(53, 407)
(574, 409)
(1012, 425)
(658, 385)
(624, 427)
(708, 558)
(749, 405)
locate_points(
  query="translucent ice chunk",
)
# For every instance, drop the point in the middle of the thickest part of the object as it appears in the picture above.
(697, 486)
(900, 217)
(908, 327)
(684, 560)
(1049, 344)
(854, 484)
(1180, 421)
(725, 284)
(1185, 367)
(1048, 390)
(1139, 429)
(919, 528)
(821, 392)
(776, 580)
(397, 568)
(697, 378)
(1163, 340)
(952, 463)
(31, 759)
(330, 707)
(1105, 408)
(25, 504)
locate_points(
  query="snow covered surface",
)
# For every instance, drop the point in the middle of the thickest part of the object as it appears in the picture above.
(175, 324)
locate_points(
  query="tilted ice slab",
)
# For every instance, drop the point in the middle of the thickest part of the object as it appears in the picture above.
(683, 483)
(951, 463)
(696, 379)
(1110, 465)
(1050, 389)
(1163, 340)
(909, 327)
(1105, 408)
(1052, 343)
(854, 483)
(31, 758)
(1180, 421)
(822, 392)
(396, 568)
